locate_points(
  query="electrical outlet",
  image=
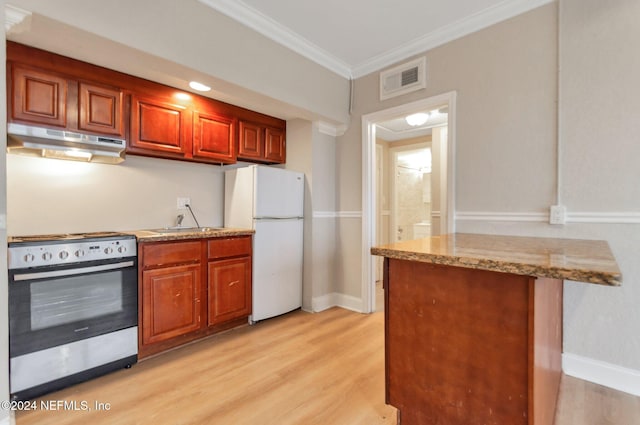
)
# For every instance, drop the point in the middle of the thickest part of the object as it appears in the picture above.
(183, 202)
(557, 214)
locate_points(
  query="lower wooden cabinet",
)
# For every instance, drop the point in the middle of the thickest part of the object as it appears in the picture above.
(229, 290)
(171, 302)
(190, 289)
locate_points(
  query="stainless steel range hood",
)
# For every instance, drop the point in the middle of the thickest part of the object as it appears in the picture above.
(45, 142)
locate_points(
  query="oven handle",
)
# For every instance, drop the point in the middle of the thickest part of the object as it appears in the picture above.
(71, 272)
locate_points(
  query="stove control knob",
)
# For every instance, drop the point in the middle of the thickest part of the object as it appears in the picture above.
(63, 255)
(29, 258)
(80, 253)
(108, 250)
(122, 249)
(47, 256)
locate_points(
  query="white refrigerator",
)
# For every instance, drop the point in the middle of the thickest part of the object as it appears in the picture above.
(271, 202)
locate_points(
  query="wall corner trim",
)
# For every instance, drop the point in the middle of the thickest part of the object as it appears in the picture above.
(602, 373)
(330, 129)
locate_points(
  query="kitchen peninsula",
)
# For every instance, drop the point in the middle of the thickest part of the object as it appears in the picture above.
(473, 324)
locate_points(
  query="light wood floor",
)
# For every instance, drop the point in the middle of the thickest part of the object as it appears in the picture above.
(317, 369)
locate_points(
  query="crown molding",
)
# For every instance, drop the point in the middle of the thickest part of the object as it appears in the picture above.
(266, 26)
(466, 26)
(13, 16)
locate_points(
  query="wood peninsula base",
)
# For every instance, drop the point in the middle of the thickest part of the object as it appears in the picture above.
(466, 346)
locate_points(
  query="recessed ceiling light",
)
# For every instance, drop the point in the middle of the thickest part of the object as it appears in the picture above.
(417, 119)
(199, 86)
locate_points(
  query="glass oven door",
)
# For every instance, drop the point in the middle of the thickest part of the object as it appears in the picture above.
(51, 306)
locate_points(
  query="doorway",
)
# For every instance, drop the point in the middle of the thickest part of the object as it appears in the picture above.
(374, 212)
(410, 184)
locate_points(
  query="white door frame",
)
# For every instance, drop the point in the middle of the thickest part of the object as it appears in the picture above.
(369, 180)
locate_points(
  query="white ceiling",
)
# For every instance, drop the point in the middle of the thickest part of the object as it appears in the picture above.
(356, 37)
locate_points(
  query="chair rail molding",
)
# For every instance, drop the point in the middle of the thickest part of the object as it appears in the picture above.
(539, 217)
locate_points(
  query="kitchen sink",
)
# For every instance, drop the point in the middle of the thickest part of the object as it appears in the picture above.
(187, 229)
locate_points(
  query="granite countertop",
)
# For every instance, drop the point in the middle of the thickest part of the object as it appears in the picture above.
(159, 235)
(589, 261)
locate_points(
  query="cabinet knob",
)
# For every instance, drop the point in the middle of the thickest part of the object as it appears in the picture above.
(234, 282)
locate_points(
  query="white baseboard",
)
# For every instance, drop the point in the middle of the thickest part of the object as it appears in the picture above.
(336, 299)
(602, 373)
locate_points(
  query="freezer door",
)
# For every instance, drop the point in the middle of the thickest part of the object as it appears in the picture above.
(279, 193)
(277, 267)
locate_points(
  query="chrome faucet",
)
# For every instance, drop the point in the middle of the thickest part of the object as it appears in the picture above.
(179, 219)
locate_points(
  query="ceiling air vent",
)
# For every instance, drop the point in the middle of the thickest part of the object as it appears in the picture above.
(402, 79)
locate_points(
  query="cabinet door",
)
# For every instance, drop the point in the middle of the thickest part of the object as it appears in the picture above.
(251, 141)
(170, 302)
(275, 148)
(229, 289)
(38, 97)
(158, 126)
(213, 137)
(100, 109)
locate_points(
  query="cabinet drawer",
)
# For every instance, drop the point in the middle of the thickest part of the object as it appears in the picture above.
(229, 247)
(157, 254)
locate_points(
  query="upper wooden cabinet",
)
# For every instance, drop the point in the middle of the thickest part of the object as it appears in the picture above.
(46, 98)
(158, 126)
(100, 109)
(191, 129)
(37, 97)
(261, 143)
(251, 141)
(275, 145)
(156, 120)
(214, 136)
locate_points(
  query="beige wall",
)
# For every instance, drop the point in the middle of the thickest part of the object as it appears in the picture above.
(4, 299)
(600, 174)
(313, 153)
(324, 221)
(53, 196)
(299, 145)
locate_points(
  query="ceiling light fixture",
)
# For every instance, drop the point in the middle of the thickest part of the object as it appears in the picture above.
(417, 119)
(199, 86)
